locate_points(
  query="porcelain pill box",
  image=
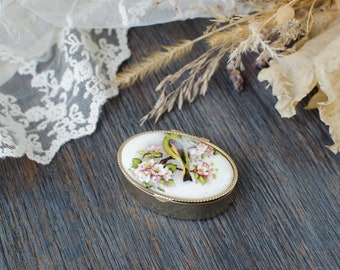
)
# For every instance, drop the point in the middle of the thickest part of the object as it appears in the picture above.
(177, 174)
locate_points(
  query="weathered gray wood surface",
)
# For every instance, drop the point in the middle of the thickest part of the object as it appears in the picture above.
(76, 214)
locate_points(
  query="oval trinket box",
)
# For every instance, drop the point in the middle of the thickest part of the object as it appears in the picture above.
(177, 174)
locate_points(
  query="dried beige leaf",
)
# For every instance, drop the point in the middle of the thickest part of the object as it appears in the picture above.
(293, 76)
(327, 71)
(330, 115)
(284, 15)
(322, 20)
(316, 99)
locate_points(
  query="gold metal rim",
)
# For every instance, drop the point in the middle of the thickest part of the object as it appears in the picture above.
(162, 197)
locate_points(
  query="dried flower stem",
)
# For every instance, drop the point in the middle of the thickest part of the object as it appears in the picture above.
(309, 27)
(152, 63)
(189, 88)
(161, 59)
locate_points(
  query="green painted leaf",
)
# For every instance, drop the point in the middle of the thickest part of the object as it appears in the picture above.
(204, 155)
(136, 162)
(202, 180)
(171, 167)
(170, 182)
(147, 155)
(148, 185)
(158, 155)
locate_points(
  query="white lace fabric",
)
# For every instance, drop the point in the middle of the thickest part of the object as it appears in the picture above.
(62, 101)
(56, 74)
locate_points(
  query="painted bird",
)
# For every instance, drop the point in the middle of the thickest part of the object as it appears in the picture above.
(175, 147)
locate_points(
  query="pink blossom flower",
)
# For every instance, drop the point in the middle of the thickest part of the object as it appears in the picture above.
(146, 165)
(200, 149)
(154, 148)
(151, 171)
(159, 172)
(144, 171)
(144, 176)
(203, 169)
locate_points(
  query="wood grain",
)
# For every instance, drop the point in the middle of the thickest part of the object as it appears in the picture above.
(76, 214)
